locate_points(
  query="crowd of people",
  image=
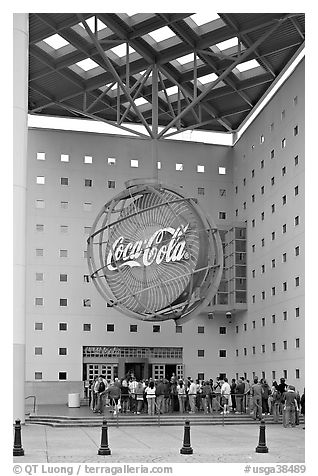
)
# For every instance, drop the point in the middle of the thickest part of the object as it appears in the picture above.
(191, 396)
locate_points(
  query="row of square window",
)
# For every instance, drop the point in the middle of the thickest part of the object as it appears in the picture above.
(273, 347)
(87, 327)
(39, 252)
(283, 141)
(273, 374)
(273, 262)
(87, 206)
(273, 320)
(284, 198)
(63, 375)
(262, 163)
(134, 163)
(296, 223)
(273, 290)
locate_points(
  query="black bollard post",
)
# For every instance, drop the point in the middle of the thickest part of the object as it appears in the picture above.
(104, 449)
(17, 446)
(261, 448)
(186, 448)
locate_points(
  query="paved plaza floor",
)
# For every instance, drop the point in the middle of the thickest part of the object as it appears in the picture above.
(211, 444)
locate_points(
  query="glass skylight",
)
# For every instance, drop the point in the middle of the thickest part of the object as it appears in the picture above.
(227, 43)
(172, 90)
(185, 59)
(161, 34)
(56, 41)
(87, 64)
(247, 65)
(203, 18)
(91, 23)
(120, 50)
(140, 101)
(208, 78)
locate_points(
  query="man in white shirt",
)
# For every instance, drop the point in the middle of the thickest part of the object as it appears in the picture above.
(192, 395)
(225, 393)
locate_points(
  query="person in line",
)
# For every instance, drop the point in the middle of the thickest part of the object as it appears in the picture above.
(192, 395)
(225, 393)
(217, 390)
(113, 392)
(239, 397)
(290, 406)
(174, 405)
(151, 397)
(233, 392)
(181, 396)
(160, 395)
(256, 391)
(132, 390)
(124, 396)
(139, 396)
(276, 403)
(266, 391)
(206, 397)
(100, 397)
(166, 396)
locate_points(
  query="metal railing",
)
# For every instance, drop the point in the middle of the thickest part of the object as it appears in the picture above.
(34, 401)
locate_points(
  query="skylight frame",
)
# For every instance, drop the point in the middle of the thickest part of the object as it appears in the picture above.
(122, 50)
(200, 18)
(87, 61)
(158, 38)
(54, 40)
(253, 63)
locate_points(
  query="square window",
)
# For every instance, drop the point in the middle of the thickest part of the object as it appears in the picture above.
(273, 318)
(296, 220)
(222, 192)
(283, 143)
(263, 295)
(253, 299)
(297, 342)
(272, 153)
(284, 257)
(273, 346)
(297, 373)
(244, 182)
(285, 374)
(64, 205)
(111, 184)
(272, 180)
(273, 235)
(296, 160)
(236, 352)
(262, 139)
(87, 303)
(200, 168)
(273, 263)
(40, 180)
(201, 376)
(262, 216)
(222, 330)
(236, 329)
(297, 281)
(253, 248)
(133, 328)
(285, 344)
(62, 375)
(110, 327)
(253, 173)
(65, 158)
(236, 212)
(283, 114)
(63, 302)
(263, 348)
(87, 327)
(38, 375)
(86, 278)
(245, 351)
(263, 268)
(253, 198)
(273, 291)
(134, 163)
(200, 190)
(236, 189)
(273, 207)
(200, 352)
(253, 350)
(262, 190)
(222, 215)
(297, 312)
(284, 229)
(39, 252)
(88, 159)
(38, 326)
(244, 206)
(38, 276)
(295, 100)
(38, 301)
(40, 156)
(88, 182)
(263, 321)
(285, 315)
(253, 273)
(63, 253)
(245, 327)
(296, 130)
(179, 167)
(156, 328)
(263, 242)
(222, 170)
(285, 286)
(63, 326)
(87, 206)
(85, 254)
(222, 353)
(253, 324)
(158, 165)
(62, 351)
(63, 228)
(297, 251)
(284, 199)
(64, 180)
(39, 227)
(200, 329)
(272, 126)
(296, 190)
(111, 161)
(63, 278)
(87, 230)
(262, 164)
(40, 203)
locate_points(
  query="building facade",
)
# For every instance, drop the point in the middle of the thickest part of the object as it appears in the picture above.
(254, 192)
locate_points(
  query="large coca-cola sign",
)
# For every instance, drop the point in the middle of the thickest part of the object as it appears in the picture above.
(153, 254)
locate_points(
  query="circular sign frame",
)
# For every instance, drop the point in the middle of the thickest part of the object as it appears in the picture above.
(154, 254)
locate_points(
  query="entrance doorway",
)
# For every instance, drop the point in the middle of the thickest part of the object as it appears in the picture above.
(170, 370)
(135, 369)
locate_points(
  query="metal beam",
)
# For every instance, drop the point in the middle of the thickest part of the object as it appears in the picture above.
(244, 55)
(115, 74)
